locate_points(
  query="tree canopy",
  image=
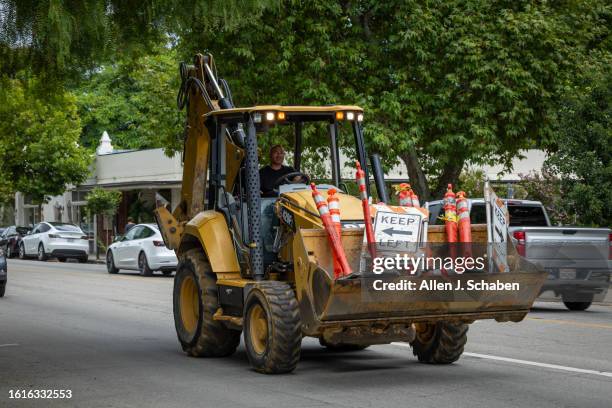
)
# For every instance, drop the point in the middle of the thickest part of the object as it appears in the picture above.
(39, 141)
(444, 83)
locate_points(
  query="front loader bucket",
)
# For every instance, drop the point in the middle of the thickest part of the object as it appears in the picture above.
(361, 299)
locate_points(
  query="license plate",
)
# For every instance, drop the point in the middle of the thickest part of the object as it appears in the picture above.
(70, 239)
(567, 274)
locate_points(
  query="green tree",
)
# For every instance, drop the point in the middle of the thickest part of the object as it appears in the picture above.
(444, 83)
(102, 202)
(135, 101)
(39, 138)
(583, 159)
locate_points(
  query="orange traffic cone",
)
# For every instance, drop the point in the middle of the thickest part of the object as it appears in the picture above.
(328, 224)
(450, 215)
(334, 210)
(465, 228)
(367, 217)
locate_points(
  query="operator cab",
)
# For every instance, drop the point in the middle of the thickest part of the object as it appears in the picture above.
(240, 134)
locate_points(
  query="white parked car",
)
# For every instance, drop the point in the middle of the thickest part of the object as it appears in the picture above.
(141, 249)
(55, 239)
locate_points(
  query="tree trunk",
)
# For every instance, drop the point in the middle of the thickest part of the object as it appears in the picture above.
(450, 175)
(418, 182)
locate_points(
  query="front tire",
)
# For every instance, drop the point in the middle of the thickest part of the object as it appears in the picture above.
(110, 263)
(22, 254)
(42, 255)
(440, 342)
(272, 328)
(143, 265)
(195, 302)
(9, 251)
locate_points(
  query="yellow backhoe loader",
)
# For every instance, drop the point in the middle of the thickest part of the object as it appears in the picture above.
(263, 267)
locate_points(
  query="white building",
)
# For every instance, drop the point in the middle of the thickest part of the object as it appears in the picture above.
(145, 176)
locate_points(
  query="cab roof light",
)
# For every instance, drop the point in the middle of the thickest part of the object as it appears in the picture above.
(257, 117)
(360, 117)
(269, 116)
(280, 116)
(350, 116)
(339, 115)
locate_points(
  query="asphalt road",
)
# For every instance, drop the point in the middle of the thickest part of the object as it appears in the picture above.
(110, 340)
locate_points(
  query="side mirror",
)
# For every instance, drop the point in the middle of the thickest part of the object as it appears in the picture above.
(118, 238)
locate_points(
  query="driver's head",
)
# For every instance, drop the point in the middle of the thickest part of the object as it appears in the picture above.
(277, 155)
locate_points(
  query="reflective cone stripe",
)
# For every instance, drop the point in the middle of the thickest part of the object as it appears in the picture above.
(334, 239)
(404, 199)
(415, 199)
(334, 211)
(450, 215)
(367, 217)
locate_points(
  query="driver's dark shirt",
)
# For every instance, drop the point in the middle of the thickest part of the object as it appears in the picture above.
(267, 177)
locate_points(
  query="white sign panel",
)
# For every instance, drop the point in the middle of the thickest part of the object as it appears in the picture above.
(499, 231)
(396, 231)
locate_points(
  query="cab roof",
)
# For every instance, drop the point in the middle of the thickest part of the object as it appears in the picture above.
(290, 113)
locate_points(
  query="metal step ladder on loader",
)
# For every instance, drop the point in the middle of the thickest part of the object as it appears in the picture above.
(262, 266)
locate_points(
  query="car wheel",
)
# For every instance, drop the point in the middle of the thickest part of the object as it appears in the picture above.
(61, 259)
(42, 256)
(8, 251)
(110, 263)
(143, 265)
(22, 254)
(2, 289)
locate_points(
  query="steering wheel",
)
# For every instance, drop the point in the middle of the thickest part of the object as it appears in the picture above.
(287, 179)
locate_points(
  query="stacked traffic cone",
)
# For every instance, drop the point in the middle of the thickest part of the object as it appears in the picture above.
(328, 224)
(450, 215)
(367, 218)
(404, 191)
(465, 228)
(334, 210)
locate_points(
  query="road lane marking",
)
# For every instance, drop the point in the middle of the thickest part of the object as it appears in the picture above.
(530, 363)
(9, 345)
(573, 323)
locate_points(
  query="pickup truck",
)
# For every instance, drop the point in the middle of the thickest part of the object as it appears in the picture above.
(577, 259)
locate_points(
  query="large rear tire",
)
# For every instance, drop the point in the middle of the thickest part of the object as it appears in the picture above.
(195, 302)
(272, 328)
(439, 343)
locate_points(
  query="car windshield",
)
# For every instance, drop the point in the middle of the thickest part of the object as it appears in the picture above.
(65, 227)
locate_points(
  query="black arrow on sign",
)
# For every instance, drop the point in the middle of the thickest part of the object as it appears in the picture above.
(391, 231)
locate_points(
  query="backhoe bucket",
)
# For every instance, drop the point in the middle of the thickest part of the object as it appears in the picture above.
(365, 297)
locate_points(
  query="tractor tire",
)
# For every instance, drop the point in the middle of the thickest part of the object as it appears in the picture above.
(195, 302)
(272, 328)
(342, 347)
(439, 343)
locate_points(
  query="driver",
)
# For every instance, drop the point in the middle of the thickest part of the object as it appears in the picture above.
(270, 173)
